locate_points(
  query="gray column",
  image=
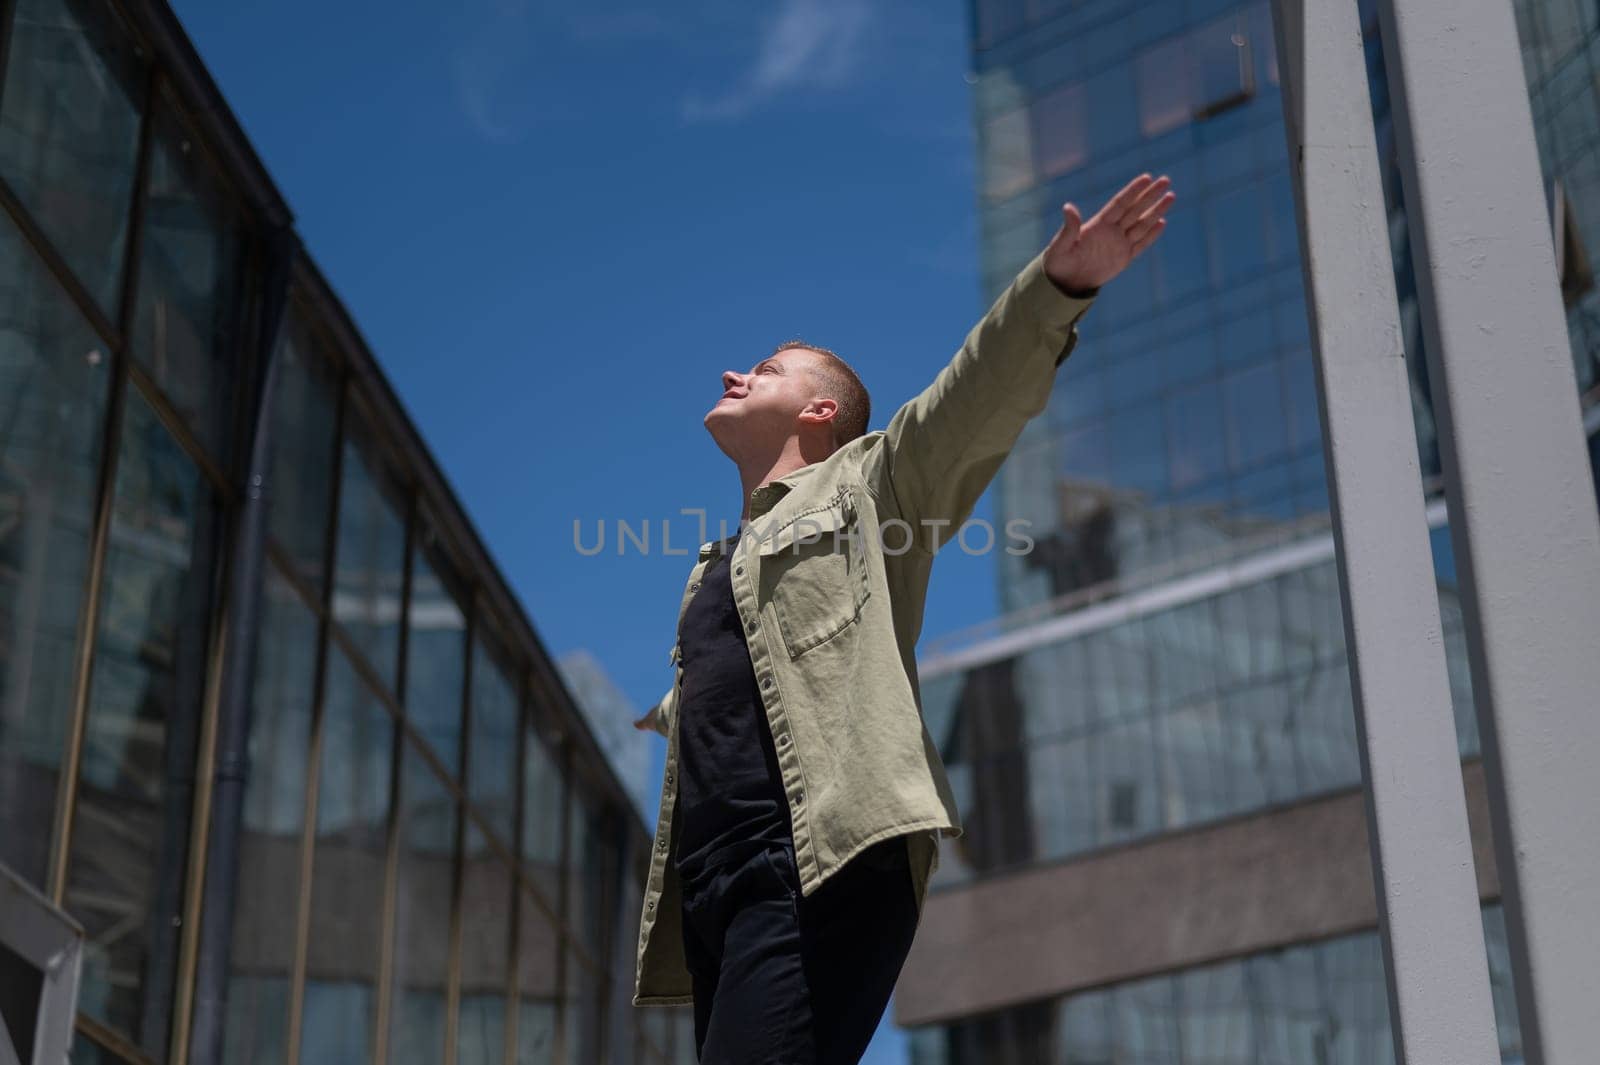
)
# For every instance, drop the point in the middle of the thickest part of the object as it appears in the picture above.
(1522, 509)
(1437, 971)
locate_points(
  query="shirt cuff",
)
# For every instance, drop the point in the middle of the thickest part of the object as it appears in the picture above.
(1054, 310)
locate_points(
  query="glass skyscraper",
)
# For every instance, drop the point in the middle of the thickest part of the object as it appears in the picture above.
(1155, 747)
(426, 856)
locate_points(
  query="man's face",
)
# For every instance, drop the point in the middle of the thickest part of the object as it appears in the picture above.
(766, 402)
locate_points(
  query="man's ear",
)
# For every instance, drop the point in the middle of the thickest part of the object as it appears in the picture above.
(819, 412)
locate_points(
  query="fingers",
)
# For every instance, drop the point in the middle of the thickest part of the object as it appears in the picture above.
(1139, 205)
(1146, 235)
(1119, 204)
(1152, 213)
(1071, 222)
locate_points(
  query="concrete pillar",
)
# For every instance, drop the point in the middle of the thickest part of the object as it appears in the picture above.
(1522, 513)
(1437, 970)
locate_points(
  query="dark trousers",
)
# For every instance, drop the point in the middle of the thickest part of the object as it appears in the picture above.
(783, 979)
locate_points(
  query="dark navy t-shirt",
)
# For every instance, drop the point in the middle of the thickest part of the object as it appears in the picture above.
(729, 788)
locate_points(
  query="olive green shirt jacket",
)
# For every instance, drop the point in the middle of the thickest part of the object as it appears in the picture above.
(830, 579)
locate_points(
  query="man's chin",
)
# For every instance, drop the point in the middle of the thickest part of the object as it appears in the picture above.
(722, 428)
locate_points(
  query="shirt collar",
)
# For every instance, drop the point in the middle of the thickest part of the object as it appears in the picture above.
(762, 499)
(765, 496)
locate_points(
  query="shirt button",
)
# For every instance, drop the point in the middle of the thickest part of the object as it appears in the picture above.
(662, 846)
(750, 627)
(783, 739)
(766, 682)
(650, 905)
(738, 571)
(694, 586)
(799, 797)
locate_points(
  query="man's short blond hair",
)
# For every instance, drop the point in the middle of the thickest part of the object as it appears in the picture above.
(843, 386)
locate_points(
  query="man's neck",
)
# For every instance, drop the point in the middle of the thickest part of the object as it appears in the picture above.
(757, 470)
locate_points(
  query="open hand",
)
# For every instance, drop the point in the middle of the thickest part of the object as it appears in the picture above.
(1082, 256)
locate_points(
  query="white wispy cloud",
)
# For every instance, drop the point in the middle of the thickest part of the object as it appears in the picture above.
(808, 44)
(495, 63)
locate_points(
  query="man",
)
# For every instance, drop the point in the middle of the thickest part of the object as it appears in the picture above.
(803, 798)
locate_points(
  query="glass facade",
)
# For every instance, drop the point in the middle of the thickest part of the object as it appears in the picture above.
(1186, 423)
(1316, 1003)
(1173, 648)
(1192, 706)
(1561, 60)
(433, 857)
(1175, 489)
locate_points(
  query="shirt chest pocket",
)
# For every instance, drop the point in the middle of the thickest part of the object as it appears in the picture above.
(814, 573)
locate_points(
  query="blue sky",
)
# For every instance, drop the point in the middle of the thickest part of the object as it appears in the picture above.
(558, 222)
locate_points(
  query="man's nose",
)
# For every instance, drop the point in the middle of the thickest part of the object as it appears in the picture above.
(730, 379)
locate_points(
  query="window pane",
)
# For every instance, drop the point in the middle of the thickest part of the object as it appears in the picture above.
(492, 771)
(1285, 227)
(69, 133)
(1180, 256)
(1357, 1030)
(370, 559)
(1244, 338)
(586, 874)
(482, 1027)
(485, 954)
(541, 816)
(301, 487)
(1007, 155)
(1114, 114)
(1184, 651)
(1216, 1023)
(421, 964)
(626, 1025)
(1305, 423)
(538, 948)
(1256, 426)
(1144, 1022)
(997, 19)
(1194, 440)
(1238, 234)
(1163, 87)
(53, 381)
(1220, 54)
(348, 872)
(262, 955)
(130, 838)
(436, 653)
(1325, 730)
(1293, 1018)
(1084, 1021)
(1061, 799)
(582, 1012)
(1060, 131)
(1086, 454)
(1138, 450)
(1128, 805)
(187, 322)
(336, 1026)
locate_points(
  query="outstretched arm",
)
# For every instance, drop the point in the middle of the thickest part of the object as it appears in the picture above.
(943, 447)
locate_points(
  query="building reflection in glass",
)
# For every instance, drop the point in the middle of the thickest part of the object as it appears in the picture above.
(1318, 1004)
